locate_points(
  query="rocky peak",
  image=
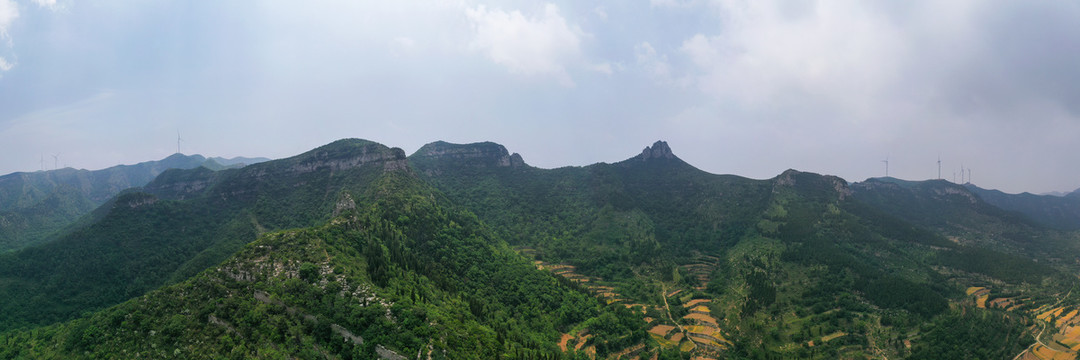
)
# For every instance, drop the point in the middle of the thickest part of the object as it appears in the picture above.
(658, 150)
(344, 155)
(483, 154)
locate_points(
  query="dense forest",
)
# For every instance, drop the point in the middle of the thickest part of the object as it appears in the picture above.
(353, 250)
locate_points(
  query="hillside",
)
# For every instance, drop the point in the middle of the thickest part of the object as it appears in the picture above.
(646, 257)
(34, 206)
(177, 225)
(777, 264)
(1059, 212)
(361, 286)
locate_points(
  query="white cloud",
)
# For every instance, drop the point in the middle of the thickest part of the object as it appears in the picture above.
(51, 4)
(603, 68)
(835, 56)
(537, 45)
(600, 12)
(657, 66)
(9, 11)
(674, 3)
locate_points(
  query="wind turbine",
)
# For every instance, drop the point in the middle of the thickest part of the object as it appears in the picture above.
(42, 161)
(969, 175)
(56, 160)
(886, 161)
(939, 167)
(178, 139)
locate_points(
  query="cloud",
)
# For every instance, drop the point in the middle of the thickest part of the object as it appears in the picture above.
(9, 11)
(51, 4)
(537, 45)
(835, 56)
(674, 3)
(603, 68)
(600, 12)
(654, 64)
(868, 61)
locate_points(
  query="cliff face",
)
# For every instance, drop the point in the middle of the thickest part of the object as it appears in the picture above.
(316, 165)
(475, 155)
(658, 150)
(333, 160)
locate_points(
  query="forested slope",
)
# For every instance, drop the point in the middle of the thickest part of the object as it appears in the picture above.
(401, 274)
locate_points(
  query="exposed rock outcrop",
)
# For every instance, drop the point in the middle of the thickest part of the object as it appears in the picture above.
(658, 150)
(344, 203)
(796, 179)
(484, 154)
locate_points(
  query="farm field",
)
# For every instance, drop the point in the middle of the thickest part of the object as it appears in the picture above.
(696, 333)
(1057, 329)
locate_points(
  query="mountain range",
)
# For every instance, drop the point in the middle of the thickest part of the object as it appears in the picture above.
(355, 250)
(35, 205)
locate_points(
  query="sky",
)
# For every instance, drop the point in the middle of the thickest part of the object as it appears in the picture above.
(742, 87)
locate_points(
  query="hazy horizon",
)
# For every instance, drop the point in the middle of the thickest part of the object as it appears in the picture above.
(750, 88)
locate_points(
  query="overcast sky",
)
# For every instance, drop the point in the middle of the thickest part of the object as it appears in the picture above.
(735, 87)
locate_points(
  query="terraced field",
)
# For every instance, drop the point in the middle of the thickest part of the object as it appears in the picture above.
(1058, 331)
(696, 333)
(701, 268)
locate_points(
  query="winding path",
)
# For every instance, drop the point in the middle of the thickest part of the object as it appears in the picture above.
(667, 309)
(1038, 338)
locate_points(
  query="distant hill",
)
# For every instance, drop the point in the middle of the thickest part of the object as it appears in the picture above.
(1060, 212)
(35, 205)
(238, 161)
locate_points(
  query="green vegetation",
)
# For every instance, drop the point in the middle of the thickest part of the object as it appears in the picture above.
(404, 273)
(438, 254)
(178, 225)
(970, 334)
(35, 207)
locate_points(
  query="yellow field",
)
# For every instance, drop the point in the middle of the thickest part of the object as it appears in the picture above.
(706, 331)
(974, 289)
(1045, 353)
(661, 330)
(1070, 337)
(695, 302)
(1053, 312)
(665, 343)
(701, 318)
(1062, 321)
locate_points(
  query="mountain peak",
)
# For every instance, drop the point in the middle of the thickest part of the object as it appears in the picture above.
(658, 150)
(481, 154)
